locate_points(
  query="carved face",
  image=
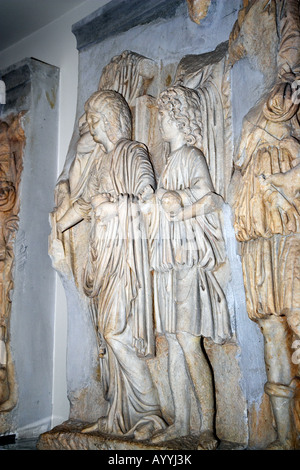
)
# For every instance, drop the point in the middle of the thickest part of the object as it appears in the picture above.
(97, 127)
(167, 126)
(109, 118)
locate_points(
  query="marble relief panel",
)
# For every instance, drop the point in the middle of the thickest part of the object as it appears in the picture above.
(139, 225)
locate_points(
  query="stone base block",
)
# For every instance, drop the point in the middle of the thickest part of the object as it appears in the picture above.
(68, 436)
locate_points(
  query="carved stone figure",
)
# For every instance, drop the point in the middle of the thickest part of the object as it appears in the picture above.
(125, 246)
(116, 277)
(186, 248)
(209, 75)
(268, 226)
(129, 74)
(12, 140)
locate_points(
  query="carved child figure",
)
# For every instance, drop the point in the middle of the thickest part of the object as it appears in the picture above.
(186, 248)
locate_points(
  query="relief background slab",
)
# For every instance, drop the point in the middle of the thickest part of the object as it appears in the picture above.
(166, 35)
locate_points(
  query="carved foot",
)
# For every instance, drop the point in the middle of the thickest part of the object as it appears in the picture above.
(144, 432)
(207, 441)
(100, 426)
(277, 445)
(169, 434)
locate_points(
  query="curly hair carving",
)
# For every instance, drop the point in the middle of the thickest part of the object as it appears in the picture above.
(184, 107)
(115, 111)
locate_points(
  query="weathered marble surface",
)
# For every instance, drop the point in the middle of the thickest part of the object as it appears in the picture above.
(204, 361)
(69, 436)
(266, 206)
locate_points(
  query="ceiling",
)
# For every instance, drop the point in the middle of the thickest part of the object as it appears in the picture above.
(20, 18)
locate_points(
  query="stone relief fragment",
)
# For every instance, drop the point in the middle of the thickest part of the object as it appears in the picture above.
(12, 140)
(150, 229)
(186, 245)
(129, 74)
(266, 222)
(116, 277)
(209, 75)
(138, 225)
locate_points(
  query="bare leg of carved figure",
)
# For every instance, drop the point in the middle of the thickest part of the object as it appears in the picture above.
(188, 369)
(201, 379)
(180, 388)
(280, 374)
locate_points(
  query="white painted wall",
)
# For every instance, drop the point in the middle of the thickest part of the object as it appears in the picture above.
(55, 44)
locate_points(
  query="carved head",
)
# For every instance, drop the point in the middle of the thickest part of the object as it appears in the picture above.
(182, 106)
(108, 114)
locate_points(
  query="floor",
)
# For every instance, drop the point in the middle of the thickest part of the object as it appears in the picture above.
(20, 444)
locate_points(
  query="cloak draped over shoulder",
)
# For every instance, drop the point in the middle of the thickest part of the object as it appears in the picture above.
(116, 278)
(118, 249)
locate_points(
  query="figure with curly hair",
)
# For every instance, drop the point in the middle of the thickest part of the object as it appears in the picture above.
(186, 248)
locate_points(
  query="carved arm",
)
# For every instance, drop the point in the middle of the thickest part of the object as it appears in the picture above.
(209, 203)
(71, 218)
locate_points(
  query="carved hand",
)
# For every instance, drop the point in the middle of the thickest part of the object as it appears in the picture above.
(276, 199)
(147, 193)
(287, 184)
(99, 199)
(160, 192)
(106, 211)
(282, 210)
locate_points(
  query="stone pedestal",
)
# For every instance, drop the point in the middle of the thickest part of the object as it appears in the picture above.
(68, 436)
